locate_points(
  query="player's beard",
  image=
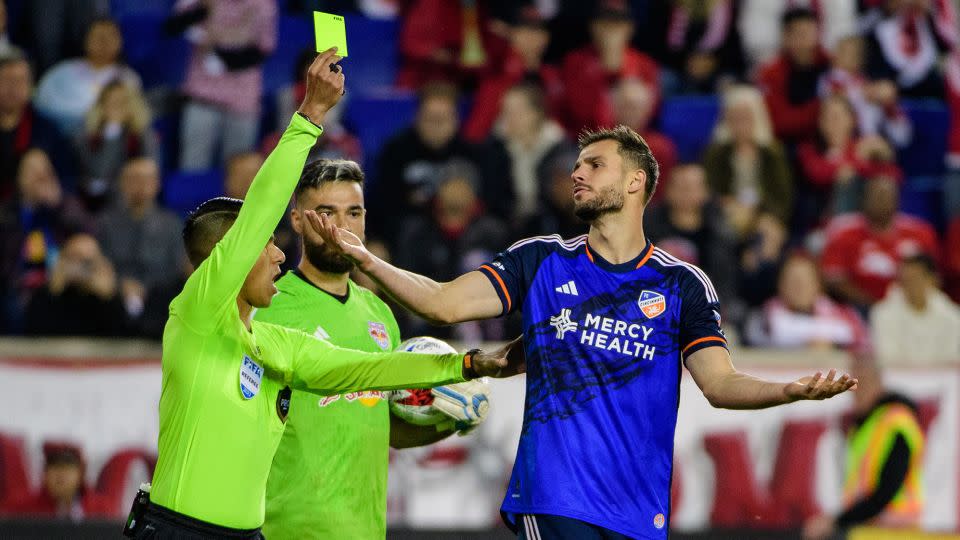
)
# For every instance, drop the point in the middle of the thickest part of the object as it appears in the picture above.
(325, 260)
(608, 199)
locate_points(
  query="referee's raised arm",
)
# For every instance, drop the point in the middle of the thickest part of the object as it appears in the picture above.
(226, 263)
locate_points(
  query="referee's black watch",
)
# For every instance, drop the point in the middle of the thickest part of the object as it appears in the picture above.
(307, 118)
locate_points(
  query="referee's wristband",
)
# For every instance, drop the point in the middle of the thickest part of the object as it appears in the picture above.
(469, 371)
(307, 118)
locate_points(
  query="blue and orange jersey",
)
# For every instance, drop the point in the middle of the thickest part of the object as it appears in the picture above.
(605, 344)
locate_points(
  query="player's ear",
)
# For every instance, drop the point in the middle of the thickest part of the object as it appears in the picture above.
(638, 180)
(296, 221)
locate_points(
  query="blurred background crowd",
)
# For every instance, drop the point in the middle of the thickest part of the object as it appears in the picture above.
(809, 150)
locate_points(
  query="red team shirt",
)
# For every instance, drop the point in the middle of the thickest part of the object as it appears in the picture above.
(871, 258)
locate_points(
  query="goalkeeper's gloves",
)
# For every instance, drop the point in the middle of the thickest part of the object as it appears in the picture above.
(465, 403)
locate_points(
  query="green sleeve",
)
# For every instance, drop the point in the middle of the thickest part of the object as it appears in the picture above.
(214, 285)
(319, 367)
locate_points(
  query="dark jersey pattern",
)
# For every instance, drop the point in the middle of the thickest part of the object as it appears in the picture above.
(604, 345)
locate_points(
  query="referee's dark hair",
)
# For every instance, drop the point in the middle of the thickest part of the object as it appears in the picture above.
(207, 225)
(632, 148)
(322, 171)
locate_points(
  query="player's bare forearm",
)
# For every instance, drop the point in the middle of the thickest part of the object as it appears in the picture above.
(726, 388)
(406, 435)
(469, 297)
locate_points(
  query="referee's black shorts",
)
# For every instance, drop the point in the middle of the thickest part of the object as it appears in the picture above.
(159, 523)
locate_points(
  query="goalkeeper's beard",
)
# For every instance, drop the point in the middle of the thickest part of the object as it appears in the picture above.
(325, 260)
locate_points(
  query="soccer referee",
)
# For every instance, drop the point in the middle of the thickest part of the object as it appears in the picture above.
(223, 400)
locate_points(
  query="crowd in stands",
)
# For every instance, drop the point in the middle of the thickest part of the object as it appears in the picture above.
(791, 202)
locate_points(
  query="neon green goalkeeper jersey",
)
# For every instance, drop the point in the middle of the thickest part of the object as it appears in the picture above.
(220, 401)
(329, 475)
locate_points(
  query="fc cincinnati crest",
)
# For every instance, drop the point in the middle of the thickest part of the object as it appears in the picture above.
(378, 331)
(652, 303)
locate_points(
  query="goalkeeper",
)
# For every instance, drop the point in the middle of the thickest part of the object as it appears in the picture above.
(224, 398)
(329, 475)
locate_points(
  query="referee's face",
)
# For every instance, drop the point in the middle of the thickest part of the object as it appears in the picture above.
(258, 289)
(598, 180)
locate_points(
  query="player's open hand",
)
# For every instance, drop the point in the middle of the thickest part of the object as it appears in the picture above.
(340, 241)
(506, 361)
(818, 387)
(324, 86)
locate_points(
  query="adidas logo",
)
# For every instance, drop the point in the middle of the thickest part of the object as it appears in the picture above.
(568, 288)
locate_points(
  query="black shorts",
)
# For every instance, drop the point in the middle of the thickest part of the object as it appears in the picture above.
(550, 527)
(159, 523)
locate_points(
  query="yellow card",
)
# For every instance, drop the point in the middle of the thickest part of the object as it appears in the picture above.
(330, 31)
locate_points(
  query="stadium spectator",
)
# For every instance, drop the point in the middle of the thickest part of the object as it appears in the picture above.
(703, 47)
(5, 46)
(70, 88)
(337, 142)
(835, 164)
(634, 102)
(63, 492)
(874, 101)
(32, 229)
(952, 262)
(409, 162)
(916, 321)
(81, 297)
(231, 39)
(444, 40)
(455, 235)
(789, 81)
(905, 42)
(835, 19)
(761, 256)
(689, 226)
(555, 210)
(116, 129)
(240, 171)
(590, 72)
(141, 239)
(528, 37)
(51, 30)
(803, 316)
(21, 127)
(884, 483)
(951, 186)
(863, 250)
(527, 135)
(746, 166)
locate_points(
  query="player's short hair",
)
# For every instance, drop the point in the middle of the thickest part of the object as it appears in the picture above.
(437, 89)
(323, 171)
(922, 260)
(631, 147)
(207, 225)
(793, 15)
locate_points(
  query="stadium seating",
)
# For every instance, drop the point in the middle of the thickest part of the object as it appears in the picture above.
(183, 191)
(159, 59)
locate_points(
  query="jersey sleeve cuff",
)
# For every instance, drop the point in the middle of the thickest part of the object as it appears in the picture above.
(305, 125)
(703, 343)
(500, 286)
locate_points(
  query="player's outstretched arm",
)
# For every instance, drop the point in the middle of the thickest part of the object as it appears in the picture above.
(218, 280)
(726, 388)
(319, 367)
(466, 298)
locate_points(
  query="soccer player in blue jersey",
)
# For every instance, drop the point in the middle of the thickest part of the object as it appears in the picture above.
(608, 320)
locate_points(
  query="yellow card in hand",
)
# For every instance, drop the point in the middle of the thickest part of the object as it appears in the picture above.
(330, 32)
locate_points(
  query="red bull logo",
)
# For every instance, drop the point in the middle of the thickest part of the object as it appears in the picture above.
(368, 398)
(378, 332)
(652, 303)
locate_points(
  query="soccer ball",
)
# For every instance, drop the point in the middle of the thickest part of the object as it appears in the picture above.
(415, 405)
